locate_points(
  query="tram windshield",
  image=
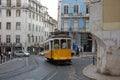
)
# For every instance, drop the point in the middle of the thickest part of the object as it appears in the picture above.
(62, 44)
(56, 44)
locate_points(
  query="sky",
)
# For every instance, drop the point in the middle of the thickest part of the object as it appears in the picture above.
(52, 6)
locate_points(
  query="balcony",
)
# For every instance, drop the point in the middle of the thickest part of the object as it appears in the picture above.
(12, 6)
(74, 15)
(74, 30)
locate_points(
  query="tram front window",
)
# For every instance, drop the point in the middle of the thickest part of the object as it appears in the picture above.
(69, 44)
(56, 44)
(63, 43)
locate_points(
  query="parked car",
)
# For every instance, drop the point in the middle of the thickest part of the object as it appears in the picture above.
(21, 53)
(41, 53)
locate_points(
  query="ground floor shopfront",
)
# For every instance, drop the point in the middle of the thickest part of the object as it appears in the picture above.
(9, 47)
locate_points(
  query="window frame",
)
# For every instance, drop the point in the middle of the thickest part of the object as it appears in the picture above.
(18, 3)
(66, 9)
(18, 13)
(8, 26)
(0, 25)
(18, 27)
(76, 9)
(17, 38)
(0, 12)
(8, 13)
(8, 3)
(8, 38)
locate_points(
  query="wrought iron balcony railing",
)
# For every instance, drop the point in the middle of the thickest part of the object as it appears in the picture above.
(75, 15)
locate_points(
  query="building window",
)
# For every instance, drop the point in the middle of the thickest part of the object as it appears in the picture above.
(66, 8)
(8, 13)
(8, 38)
(36, 38)
(0, 25)
(18, 13)
(29, 14)
(87, 9)
(18, 26)
(39, 38)
(76, 25)
(33, 16)
(76, 9)
(0, 13)
(32, 38)
(9, 3)
(36, 17)
(29, 29)
(0, 39)
(8, 25)
(17, 38)
(33, 27)
(29, 39)
(0, 2)
(39, 28)
(65, 26)
(36, 28)
(18, 3)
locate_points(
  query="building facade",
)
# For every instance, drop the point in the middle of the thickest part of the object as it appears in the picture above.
(73, 17)
(105, 28)
(22, 24)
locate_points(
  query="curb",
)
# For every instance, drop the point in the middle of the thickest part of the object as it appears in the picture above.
(84, 71)
(8, 61)
(90, 72)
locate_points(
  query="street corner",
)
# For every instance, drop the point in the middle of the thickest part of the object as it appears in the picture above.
(90, 72)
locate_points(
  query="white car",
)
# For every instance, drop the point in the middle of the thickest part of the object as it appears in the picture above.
(21, 53)
(41, 53)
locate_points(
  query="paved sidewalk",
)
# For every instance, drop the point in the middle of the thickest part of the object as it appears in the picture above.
(90, 71)
(11, 65)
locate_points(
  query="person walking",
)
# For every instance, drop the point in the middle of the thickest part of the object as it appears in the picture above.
(1, 56)
(9, 54)
(77, 52)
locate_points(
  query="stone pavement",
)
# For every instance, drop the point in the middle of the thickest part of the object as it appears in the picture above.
(90, 72)
(11, 65)
(84, 55)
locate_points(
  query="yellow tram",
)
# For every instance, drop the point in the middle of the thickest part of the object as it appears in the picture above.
(58, 48)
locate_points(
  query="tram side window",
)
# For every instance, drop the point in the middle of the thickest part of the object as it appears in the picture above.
(69, 44)
(63, 43)
(51, 44)
(47, 46)
(56, 44)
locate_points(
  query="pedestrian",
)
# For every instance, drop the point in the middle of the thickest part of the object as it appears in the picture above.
(9, 55)
(77, 52)
(1, 55)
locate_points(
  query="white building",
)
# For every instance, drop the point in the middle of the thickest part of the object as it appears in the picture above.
(22, 24)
